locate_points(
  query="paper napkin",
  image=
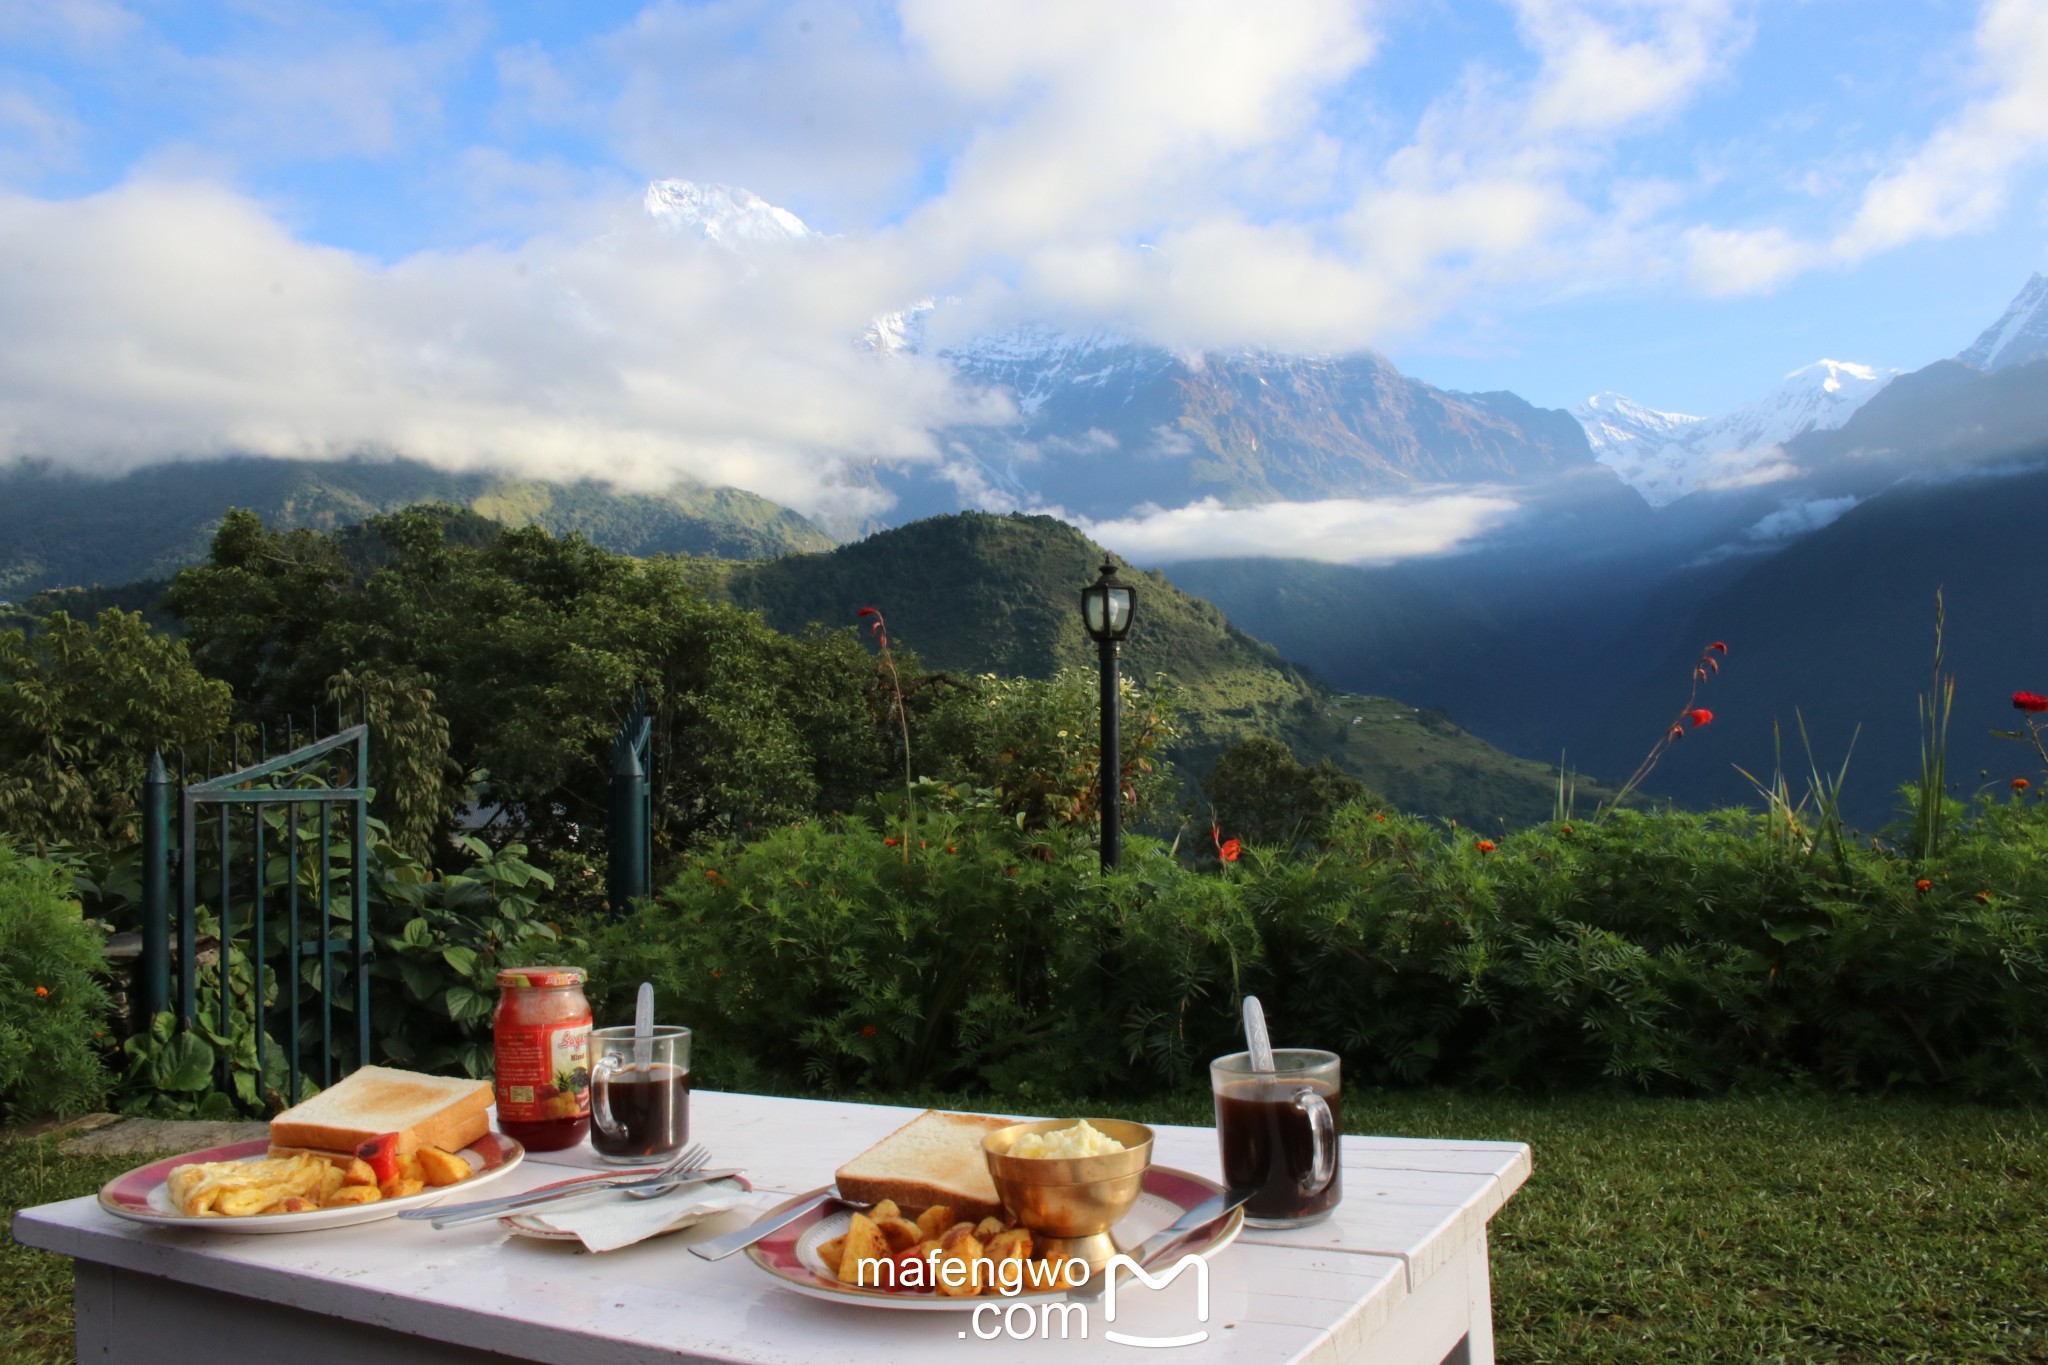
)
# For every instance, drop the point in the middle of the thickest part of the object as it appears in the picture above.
(611, 1221)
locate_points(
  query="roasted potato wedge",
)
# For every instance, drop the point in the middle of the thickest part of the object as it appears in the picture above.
(900, 1233)
(441, 1168)
(351, 1194)
(828, 1252)
(865, 1246)
(936, 1220)
(964, 1252)
(1014, 1245)
(359, 1173)
(401, 1188)
(884, 1211)
(987, 1228)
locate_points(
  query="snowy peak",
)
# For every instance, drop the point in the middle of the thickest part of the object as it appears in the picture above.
(719, 213)
(1613, 421)
(1666, 455)
(2019, 336)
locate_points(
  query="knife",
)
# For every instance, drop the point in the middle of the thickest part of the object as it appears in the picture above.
(1182, 1228)
(449, 1215)
(718, 1248)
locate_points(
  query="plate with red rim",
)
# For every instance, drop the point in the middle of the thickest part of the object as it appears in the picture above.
(140, 1196)
(790, 1254)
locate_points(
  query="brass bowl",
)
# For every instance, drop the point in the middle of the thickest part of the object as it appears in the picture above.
(1070, 1203)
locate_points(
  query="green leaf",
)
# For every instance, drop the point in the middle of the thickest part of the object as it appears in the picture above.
(464, 1004)
(184, 1063)
(463, 960)
(418, 934)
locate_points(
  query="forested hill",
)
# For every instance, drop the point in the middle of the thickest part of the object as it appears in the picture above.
(977, 593)
(69, 530)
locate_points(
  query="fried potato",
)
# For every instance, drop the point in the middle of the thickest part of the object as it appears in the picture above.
(295, 1204)
(936, 1220)
(953, 1236)
(410, 1168)
(1013, 1245)
(987, 1228)
(359, 1173)
(900, 1233)
(331, 1181)
(865, 1245)
(828, 1252)
(401, 1188)
(442, 1168)
(351, 1194)
(884, 1211)
(962, 1283)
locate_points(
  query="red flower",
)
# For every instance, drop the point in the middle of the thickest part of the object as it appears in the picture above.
(1983, 898)
(1228, 850)
(867, 611)
(1485, 845)
(1923, 885)
(1718, 645)
(717, 972)
(2029, 701)
(2020, 784)
(867, 1030)
(1699, 716)
(889, 842)
(42, 991)
(1564, 829)
(1379, 815)
(949, 850)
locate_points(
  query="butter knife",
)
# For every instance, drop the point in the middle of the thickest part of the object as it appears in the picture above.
(1182, 1228)
(718, 1248)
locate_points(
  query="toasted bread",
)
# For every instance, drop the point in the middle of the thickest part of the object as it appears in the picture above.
(933, 1159)
(425, 1111)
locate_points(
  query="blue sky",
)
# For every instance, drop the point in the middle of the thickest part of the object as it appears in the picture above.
(307, 229)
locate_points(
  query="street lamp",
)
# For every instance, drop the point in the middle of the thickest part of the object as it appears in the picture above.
(1107, 606)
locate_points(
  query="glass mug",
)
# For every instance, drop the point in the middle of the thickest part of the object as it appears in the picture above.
(1279, 1132)
(636, 1111)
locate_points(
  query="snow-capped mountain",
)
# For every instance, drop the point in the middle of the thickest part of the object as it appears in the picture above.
(719, 213)
(2018, 337)
(1666, 455)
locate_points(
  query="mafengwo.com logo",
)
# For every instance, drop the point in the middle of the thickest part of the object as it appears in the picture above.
(1024, 1319)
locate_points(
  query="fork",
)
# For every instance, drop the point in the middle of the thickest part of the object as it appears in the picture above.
(667, 1177)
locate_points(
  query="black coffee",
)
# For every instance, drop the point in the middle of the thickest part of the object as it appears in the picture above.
(1269, 1145)
(651, 1109)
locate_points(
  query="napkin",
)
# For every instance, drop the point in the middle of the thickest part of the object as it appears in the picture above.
(611, 1221)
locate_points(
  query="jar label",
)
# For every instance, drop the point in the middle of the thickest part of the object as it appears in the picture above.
(543, 1071)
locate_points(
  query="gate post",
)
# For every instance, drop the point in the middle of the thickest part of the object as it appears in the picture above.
(627, 847)
(156, 890)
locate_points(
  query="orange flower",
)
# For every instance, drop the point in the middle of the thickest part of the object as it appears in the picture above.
(717, 972)
(1983, 898)
(1923, 885)
(1564, 829)
(889, 843)
(867, 1030)
(1700, 716)
(2020, 784)
(949, 850)
(1228, 850)
(1379, 815)
(1484, 845)
(42, 991)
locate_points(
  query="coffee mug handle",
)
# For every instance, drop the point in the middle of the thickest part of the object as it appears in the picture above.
(1323, 1126)
(601, 1094)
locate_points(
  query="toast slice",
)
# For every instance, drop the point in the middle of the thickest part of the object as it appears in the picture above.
(936, 1158)
(425, 1111)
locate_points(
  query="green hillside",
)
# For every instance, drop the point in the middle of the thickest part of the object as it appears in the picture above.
(976, 593)
(65, 530)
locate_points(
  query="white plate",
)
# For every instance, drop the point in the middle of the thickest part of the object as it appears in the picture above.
(790, 1253)
(140, 1196)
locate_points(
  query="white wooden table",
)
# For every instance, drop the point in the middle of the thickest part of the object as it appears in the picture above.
(1398, 1274)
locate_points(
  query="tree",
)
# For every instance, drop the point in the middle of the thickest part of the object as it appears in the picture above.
(1259, 793)
(81, 708)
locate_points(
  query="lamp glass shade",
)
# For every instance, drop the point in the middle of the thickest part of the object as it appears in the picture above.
(1095, 611)
(1119, 610)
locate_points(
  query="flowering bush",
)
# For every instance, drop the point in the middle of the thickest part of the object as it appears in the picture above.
(52, 1006)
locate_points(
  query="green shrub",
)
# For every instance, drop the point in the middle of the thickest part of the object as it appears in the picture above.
(1659, 951)
(52, 1006)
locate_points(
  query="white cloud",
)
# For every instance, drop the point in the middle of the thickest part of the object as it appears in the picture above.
(172, 320)
(1797, 518)
(1335, 531)
(1610, 63)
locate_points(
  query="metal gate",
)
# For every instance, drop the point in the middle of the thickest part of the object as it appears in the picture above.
(282, 806)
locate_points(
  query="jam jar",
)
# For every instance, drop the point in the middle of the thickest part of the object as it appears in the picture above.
(541, 1032)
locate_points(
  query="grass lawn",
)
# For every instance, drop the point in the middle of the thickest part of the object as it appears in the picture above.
(1777, 1229)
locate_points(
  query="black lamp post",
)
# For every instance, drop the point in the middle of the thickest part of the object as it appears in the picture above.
(1107, 606)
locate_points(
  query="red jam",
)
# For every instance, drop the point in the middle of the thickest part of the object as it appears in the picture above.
(541, 1031)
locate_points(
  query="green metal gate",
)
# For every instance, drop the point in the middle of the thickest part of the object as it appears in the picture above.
(315, 792)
